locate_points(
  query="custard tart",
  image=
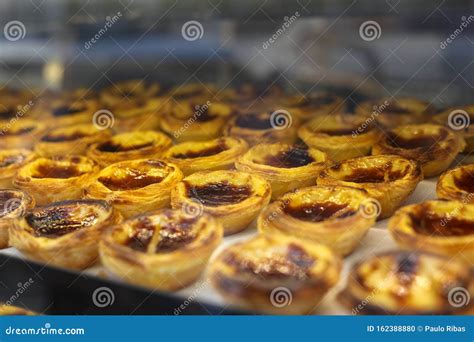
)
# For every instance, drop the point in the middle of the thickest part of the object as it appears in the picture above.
(66, 112)
(341, 136)
(234, 198)
(217, 154)
(434, 146)
(388, 180)
(135, 186)
(70, 140)
(166, 249)
(390, 113)
(312, 105)
(195, 121)
(22, 133)
(10, 162)
(457, 184)
(404, 283)
(129, 146)
(441, 227)
(285, 167)
(134, 115)
(461, 120)
(120, 93)
(13, 204)
(275, 274)
(65, 233)
(51, 180)
(268, 126)
(331, 215)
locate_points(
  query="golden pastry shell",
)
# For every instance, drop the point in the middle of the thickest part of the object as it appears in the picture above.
(457, 184)
(51, 180)
(282, 179)
(441, 227)
(342, 228)
(388, 180)
(169, 270)
(234, 217)
(217, 154)
(14, 204)
(283, 294)
(403, 283)
(11, 161)
(434, 146)
(77, 249)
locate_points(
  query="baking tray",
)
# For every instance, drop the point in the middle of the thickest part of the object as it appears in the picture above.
(53, 290)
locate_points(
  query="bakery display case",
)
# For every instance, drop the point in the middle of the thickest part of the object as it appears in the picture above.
(223, 158)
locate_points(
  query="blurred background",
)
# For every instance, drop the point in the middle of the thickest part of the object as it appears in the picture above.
(361, 48)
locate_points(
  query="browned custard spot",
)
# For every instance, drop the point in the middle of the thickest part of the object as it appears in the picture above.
(317, 212)
(13, 159)
(63, 137)
(173, 235)
(426, 222)
(110, 146)
(254, 122)
(133, 179)
(294, 265)
(201, 113)
(65, 110)
(56, 221)
(373, 175)
(424, 142)
(205, 152)
(295, 157)
(9, 202)
(219, 193)
(465, 181)
(56, 171)
(7, 114)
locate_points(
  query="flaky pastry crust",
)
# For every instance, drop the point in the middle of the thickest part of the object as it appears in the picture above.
(135, 186)
(166, 249)
(331, 215)
(65, 233)
(217, 154)
(277, 274)
(434, 146)
(13, 204)
(234, 198)
(388, 180)
(285, 167)
(57, 179)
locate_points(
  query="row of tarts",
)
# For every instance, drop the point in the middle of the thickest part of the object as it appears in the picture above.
(83, 191)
